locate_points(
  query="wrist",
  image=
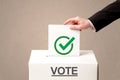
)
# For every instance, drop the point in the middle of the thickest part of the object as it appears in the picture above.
(91, 26)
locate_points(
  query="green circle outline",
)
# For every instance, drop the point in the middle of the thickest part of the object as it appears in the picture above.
(59, 51)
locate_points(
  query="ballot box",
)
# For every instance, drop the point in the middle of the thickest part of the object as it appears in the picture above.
(43, 66)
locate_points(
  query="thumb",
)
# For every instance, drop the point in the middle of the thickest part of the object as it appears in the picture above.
(76, 27)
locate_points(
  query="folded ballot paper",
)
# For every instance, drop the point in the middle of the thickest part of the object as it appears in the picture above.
(63, 60)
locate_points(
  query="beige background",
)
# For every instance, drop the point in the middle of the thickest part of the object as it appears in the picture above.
(23, 27)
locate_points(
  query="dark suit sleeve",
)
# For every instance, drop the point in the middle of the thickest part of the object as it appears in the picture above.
(106, 15)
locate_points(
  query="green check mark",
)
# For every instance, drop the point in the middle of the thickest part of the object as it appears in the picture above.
(67, 44)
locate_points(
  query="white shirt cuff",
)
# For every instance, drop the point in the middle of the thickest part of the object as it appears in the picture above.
(92, 26)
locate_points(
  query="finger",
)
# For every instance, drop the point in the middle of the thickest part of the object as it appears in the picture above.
(69, 21)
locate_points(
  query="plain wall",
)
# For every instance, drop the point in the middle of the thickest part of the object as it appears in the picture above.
(23, 27)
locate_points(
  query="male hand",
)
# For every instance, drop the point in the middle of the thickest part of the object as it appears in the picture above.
(78, 23)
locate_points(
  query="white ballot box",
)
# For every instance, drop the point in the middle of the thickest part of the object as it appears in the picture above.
(63, 41)
(52, 67)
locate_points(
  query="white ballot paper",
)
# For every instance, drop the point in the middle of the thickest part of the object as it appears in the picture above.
(63, 41)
